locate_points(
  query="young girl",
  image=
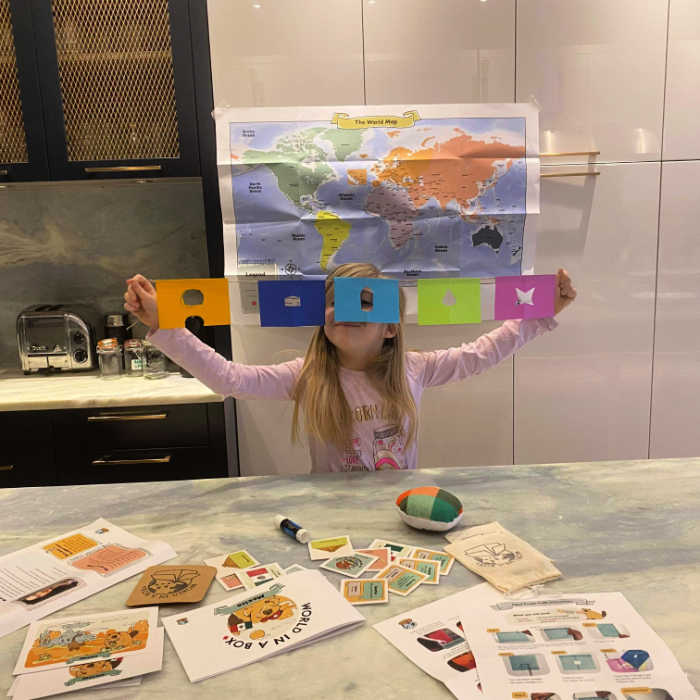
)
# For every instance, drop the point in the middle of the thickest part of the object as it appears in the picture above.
(357, 391)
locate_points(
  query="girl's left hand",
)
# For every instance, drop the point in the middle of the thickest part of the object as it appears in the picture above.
(564, 293)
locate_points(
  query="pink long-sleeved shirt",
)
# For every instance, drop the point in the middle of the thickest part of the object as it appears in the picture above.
(374, 444)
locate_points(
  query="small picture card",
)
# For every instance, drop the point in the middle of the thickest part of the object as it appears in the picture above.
(179, 583)
(292, 302)
(383, 555)
(365, 591)
(258, 575)
(426, 566)
(446, 560)
(397, 549)
(294, 568)
(241, 559)
(352, 565)
(225, 575)
(528, 296)
(330, 546)
(402, 580)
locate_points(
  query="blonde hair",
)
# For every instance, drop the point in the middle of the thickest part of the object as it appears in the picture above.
(318, 395)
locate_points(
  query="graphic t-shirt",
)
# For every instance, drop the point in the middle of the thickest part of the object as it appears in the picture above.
(375, 443)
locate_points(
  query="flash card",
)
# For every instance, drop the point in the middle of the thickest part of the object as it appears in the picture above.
(402, 580)
(330, 546)
(397, 549)
(179, 583)
(258, 575)
(446, 560)
(225, 575)
(352, 565)
(383, 555)
(430, 568)
(365, 591)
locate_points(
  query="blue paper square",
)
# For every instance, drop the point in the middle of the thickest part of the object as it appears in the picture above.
(292, 302)
(348, 303)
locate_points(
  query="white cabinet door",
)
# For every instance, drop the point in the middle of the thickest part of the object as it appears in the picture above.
(582, 392)
(470, 422)
(286, 52)
(681, 133)
(676, 390)
(423, 51)
(596, 68)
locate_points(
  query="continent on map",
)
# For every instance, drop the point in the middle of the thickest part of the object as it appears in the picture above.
(357, 176)
(458, 169)
(395, 206)
(488, 236)
(334, 232)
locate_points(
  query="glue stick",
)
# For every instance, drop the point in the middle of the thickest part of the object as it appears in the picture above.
(291, 528)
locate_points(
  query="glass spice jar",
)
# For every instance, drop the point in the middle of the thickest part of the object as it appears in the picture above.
(154, 366)
(109, 353)
(133, 357)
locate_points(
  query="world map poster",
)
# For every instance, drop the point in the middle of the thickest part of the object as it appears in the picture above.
(418, 190)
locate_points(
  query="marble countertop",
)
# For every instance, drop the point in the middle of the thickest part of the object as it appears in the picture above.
(88, 390)
(609, 526)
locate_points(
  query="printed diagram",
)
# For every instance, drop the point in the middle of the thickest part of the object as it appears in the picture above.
(440, 639)
(526, 665)
(109, 558)
(630, 661)
(51, 591)
(493, 554)
(258, 617)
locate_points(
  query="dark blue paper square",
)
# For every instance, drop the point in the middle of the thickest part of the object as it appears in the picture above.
(292, 302)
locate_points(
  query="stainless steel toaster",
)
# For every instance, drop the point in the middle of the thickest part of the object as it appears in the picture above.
(57, 337)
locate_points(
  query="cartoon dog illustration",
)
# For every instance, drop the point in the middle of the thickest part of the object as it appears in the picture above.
(94, 669)
(493, 554)
(165, 583)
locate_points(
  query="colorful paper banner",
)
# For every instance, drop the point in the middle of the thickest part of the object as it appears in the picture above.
(292, 302)
(526, 296)
(348, 301)
(449, 301)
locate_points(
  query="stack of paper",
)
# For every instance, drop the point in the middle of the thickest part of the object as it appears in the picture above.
(279, 615)
(88, 651)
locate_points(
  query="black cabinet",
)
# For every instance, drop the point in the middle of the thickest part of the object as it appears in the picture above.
(105, 89)
(108, 445)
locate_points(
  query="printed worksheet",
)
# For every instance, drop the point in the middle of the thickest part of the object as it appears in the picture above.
(432, 636)
(582, 646)
(45, 577)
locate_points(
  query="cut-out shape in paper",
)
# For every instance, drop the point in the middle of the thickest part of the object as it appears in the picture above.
(352, 306)
(175, 299)
(527, 296)
(292, 302)
(449, 301)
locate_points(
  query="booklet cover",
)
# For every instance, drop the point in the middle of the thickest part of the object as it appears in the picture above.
(280, 615)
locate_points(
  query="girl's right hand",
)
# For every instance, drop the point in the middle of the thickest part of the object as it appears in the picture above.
(141, 300)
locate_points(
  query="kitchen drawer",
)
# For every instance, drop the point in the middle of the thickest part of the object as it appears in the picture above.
(166, 464)
(26, 464)
(183, 425)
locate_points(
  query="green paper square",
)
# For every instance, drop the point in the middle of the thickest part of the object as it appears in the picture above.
(465, 292)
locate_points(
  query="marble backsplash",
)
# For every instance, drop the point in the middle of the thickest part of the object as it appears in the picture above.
(76, 242)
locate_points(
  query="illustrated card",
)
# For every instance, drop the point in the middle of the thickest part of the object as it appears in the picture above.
(225, 575)
(365, 591)
(294, 568)
(402, 580)
(181, 583)
(70, 546)
(83, 638)
(259, 575)
(383, 555)
(446, 560)
(352, 565)
(397, 549)
(112, 672)
(109, 558)
(330, 546)
(241, 559)
(430, 568)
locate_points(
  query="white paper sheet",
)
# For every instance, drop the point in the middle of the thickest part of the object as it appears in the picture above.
(578, 646)
(419, 190)
(64, 680)
(278, 616)
(45, 577)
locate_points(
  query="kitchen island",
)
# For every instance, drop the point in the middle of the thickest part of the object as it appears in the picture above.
(608, 526)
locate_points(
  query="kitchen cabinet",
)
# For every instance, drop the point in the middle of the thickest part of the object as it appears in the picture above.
(106, 445)
(582, 392)
(110, 91)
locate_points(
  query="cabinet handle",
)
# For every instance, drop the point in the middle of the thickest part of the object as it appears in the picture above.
(122, 168)
(581, 174)
(149, 460)
(7, 467)
(553, 154)
(126, 417)
(4, 172)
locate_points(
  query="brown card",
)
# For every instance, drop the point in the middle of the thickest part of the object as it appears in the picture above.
(177, 583)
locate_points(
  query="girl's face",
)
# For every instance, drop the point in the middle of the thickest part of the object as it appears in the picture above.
(356, 340)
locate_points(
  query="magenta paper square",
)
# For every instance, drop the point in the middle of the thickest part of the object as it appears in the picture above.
(527, 296)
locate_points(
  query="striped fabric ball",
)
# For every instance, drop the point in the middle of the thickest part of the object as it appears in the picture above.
(429, 508)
